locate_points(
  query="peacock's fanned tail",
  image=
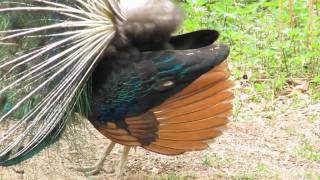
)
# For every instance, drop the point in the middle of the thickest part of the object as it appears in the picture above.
(58, 46)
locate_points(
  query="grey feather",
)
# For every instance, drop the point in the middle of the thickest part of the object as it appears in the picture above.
(148, 22)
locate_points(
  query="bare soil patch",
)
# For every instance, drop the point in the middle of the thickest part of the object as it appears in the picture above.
(265, 140)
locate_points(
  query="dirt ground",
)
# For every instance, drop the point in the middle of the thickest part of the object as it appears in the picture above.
(277, 139)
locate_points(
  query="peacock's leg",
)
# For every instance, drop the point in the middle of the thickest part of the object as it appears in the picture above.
(123, 160)
(99, 165)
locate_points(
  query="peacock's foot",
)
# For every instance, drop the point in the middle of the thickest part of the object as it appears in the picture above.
(96, 169)
(123, 161)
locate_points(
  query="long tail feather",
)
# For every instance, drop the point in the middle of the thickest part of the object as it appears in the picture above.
(43, 84)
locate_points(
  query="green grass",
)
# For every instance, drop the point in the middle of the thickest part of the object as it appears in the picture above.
(215, 161)
(309, 152)
(206, 161)
(268, 46)
(174, 176)
(313, 118)
(244, 176)
(309, 175)
(261, 171)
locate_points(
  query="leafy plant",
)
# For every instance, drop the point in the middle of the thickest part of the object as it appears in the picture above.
(276, 40)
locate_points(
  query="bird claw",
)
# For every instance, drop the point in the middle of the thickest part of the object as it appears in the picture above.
(90, 171)
(96, 169)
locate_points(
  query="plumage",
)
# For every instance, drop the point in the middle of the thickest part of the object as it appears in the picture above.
(135, 82)
(189, 108)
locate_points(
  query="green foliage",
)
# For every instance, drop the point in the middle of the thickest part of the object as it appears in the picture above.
(171, 176)
(273, 44)
(312, 175)
(316, 80)
(309, 152)
(206, 161)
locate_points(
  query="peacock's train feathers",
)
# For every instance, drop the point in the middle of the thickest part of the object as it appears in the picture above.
(48, 52)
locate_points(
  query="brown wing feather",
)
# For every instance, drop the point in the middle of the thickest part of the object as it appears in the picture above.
(219, 73)
(182, 145)
(118, 135)
(193, 115)
(196, 106)
(218, 87)
(163, 150)
(194, 125)
(190, 136)
(202, 83)
(184, 122)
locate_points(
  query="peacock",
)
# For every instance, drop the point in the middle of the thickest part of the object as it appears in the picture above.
(118, 64)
